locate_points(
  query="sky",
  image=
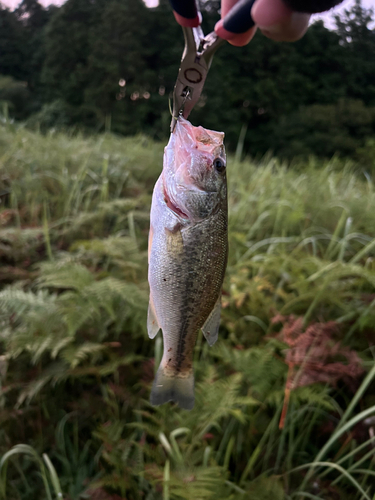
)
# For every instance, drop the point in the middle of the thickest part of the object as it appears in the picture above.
(326, 17)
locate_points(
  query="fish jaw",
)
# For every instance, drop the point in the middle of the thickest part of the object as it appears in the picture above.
(190, 154)
(192, 185)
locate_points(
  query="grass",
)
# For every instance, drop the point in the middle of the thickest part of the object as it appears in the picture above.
(285, 402)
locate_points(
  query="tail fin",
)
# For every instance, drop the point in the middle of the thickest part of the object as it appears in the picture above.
(173, 388)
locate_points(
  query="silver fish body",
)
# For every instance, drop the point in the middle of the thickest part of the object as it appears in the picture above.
(188, 247)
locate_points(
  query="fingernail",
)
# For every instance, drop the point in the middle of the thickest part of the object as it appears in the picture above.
(236, 39)
(222, 32)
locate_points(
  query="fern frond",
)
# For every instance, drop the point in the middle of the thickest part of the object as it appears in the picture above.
(315, 395)
(262, 371)
(14, 301)
(64, 275)
(52, 374)
(74, 355)
(199, 482)
(119, 247)
(217, 399)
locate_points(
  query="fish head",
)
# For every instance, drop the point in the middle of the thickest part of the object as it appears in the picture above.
(194, 171)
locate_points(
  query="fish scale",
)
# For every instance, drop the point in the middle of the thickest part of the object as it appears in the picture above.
(187, 255)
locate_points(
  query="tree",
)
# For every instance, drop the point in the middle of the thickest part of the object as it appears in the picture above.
(122, 72)
(12, 47)
(68, 46)
(97, 61)
(112, 42)
(358, 40)
(16, 95)
(33, 18)
(324, 130)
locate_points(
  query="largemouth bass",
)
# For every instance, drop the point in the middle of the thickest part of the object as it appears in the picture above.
(188, 247)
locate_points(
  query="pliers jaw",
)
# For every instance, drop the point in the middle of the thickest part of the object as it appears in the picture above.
(195, 63)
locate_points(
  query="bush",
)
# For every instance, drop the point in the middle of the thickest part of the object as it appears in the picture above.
(16, 95)
(324, 130)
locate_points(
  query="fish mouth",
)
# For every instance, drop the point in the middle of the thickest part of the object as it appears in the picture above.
(175, 209)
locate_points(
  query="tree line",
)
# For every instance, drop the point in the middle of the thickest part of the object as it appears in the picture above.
(112, 64)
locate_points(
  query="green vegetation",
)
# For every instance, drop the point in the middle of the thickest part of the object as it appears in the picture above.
(284, 401)
(285, 405)
(92, 64)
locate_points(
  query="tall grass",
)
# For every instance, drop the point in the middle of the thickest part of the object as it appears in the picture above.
(75, 355)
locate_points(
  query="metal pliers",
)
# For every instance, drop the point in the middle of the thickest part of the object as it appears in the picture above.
(199, 50)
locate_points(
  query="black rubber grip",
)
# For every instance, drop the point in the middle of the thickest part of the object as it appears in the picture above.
(185, 8)
(238, 19)
(311, 6)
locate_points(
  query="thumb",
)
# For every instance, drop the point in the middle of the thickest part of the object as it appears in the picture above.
(278, 22)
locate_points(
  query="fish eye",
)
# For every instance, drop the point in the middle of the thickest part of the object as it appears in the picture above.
(219, 165)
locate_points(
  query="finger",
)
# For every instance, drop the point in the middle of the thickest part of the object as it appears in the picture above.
(279, 22)
(226, 6)
(237, 39)
(186, 13)
(232, 30)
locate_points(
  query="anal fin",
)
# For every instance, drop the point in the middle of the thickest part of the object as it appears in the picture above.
(152, 322)
(211, 327)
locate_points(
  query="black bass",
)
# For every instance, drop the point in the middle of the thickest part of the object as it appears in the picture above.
(188, 247)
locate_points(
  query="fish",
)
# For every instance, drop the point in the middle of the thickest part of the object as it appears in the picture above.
(187, 255)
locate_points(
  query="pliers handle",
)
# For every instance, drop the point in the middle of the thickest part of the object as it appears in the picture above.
(199, 51)
(195, 63)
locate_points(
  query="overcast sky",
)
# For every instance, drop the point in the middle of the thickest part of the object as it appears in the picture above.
(327, 17)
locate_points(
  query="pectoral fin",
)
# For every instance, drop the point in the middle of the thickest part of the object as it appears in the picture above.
(175, 244)
(152, 322)
(211, 327)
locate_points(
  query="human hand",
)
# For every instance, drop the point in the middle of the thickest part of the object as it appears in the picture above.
(273, 17)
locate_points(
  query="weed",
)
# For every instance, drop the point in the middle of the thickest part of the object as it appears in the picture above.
(76, 364)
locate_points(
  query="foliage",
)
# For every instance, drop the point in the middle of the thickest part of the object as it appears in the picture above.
(12, 52)
(76, 365)
(357, 34)
(15, 94)
(118, 70)
(324, 129)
